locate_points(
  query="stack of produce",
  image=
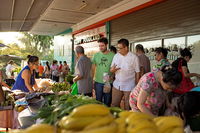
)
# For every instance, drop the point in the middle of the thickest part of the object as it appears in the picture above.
(90, 118)
(9, 99)
(97, 118)
(136, 122)
(58, 87)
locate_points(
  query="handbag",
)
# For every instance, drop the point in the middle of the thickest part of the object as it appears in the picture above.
(186, 83)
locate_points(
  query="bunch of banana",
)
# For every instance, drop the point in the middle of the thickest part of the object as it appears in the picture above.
(135, 122)
(37, 128)
(138, 122)
(121, 121)
(169, 124)
(89, 118)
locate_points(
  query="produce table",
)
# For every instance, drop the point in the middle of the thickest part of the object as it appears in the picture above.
(6, 119)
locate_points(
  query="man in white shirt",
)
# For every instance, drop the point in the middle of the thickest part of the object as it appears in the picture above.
(9, 70)
(126, 67)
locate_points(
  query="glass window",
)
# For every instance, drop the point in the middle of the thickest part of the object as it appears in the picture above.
(149, 47)
(174, 45)
(194, 45)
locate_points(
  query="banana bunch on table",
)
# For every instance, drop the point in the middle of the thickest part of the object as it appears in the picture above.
(137, 122)
(89, 118)
(96, 118)
(169, 124)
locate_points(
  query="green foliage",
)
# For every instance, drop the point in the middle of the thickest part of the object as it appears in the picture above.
(38, 45)
(60, 106)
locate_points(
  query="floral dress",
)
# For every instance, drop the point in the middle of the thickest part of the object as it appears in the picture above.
(156, 94)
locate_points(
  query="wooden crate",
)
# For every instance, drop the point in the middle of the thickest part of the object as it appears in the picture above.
(6, 118)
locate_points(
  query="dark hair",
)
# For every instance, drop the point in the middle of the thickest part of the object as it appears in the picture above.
(139, 47)
(112, 48)
(79, 49)
(189, 104)
(47, 63)
(28, 56)
(32, 59)
(124, 42)
(185, 52)
(54, 62)
(60, 62)
(171, 75)
(65, 62)
(103, 40)
(164, 51)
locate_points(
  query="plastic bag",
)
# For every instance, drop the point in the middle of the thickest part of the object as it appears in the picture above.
(74, 89)
(107, 87)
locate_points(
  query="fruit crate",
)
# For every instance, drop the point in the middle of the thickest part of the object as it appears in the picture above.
(6, 117)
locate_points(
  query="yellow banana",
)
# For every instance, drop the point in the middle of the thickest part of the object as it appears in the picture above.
(166, 122)
(90, 110)
(111, 128)
(40, 128)
(135, 116)
(147, 130)
(125, 114)
(121, 125)
(136, 126)
(106, 120)
(178, 130)
(71, 123)
(67, 131)
(169, 130)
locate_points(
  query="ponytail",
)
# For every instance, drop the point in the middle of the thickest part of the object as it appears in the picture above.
(32, 59)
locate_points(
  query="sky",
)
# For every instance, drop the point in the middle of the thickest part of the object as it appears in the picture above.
(10, 37)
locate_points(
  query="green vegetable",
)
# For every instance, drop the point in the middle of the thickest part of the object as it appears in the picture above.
(60, 106)
(64, 86)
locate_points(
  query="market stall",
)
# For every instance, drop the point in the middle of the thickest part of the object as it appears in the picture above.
(55, 109)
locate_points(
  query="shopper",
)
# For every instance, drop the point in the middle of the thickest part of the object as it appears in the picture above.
(40, 70)
(151, 92)
(181, 65)
(113, 49)
(60, 66)
(125, 65)
(25, 80)
(9, 73)
(161, 58)
(145, 65)
(83, 72)
(47, 70)
(65, 69)
(101, 66)
(55, 71)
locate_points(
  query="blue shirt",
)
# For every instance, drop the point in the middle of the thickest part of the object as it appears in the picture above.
(20, 84)
(196, 89)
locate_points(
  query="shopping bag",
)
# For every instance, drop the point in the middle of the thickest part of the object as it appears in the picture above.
(74, 89)
(186, 83)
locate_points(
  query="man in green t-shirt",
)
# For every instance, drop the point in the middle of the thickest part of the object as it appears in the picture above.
(101, 67)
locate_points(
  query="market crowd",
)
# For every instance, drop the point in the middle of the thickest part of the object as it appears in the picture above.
(120, 78)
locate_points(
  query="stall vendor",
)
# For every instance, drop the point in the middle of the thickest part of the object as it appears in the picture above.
(25, 81)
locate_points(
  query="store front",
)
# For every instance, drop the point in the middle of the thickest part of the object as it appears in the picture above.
(88, 40)
(171, 24)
